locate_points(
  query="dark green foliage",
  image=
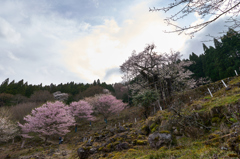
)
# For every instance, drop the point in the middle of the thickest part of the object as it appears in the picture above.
(26, 90)
(146, 100)
(220, 61)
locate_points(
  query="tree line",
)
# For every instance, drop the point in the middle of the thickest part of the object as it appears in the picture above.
(12, 93)
(220, 61)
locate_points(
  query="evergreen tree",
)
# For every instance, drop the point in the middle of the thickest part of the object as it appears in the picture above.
(98, 82)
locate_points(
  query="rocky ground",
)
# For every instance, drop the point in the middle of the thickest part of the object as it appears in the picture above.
(194, 125)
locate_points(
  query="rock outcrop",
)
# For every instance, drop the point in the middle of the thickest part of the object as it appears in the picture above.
(157, 140)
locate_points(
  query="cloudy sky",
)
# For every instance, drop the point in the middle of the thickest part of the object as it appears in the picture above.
(59, 41)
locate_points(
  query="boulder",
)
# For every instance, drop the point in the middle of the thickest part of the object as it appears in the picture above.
(122, 146)
(157, 140)
(82, 154)
(121, 129)
(93, 150)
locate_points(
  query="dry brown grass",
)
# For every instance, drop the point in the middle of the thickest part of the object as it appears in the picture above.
(21, 110)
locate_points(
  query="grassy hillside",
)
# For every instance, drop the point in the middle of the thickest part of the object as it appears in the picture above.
(201, 126)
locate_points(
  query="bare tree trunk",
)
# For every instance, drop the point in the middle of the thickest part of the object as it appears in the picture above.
(46, 140)
(13, 141)
(158, 98)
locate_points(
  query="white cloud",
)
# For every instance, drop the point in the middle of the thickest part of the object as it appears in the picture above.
(110, 44)
(8, 32)
(12, 56)
(96, 3)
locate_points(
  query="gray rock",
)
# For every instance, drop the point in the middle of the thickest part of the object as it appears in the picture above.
(82, 154)
(51, 152)
(64, 153)
(89, 143)
(112, 130)
(121, 129)
(93, 150)
(157, 140)
(228, 88)
(122, 146)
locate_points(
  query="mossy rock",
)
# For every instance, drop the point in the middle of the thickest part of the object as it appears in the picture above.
(144, 127)
(180, 147)
(132, 150)
(87, 148)
(163, 148)
(119, 139)
(141, 137)
(109, 146)
(129, 125)
(115, 143)
(213, 136)
(153, 125)
(145, 130)
(106, 149)
(140, 142)
(100, 148)
(165, 131)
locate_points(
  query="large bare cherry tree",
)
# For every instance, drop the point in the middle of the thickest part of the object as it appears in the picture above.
(164, 73)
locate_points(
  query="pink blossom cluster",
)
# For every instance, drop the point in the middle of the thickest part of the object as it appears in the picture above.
(108, 105)
(81, 110)
(49, 119)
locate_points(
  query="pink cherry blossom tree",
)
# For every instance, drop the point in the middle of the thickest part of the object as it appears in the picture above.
(47, 120)
(107, 105)
(81, 110)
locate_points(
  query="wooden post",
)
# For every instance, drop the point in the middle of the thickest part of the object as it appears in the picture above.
(23, 143)
(236, 72)
(210, 92)
(224, 84)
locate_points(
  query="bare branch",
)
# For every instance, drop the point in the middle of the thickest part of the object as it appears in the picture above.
(217, 8)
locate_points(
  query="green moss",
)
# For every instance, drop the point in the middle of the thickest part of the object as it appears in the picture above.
(140, 137)
(233, 120)
(165, 131)
(100, 148)
(208, 97)
(115, 143)
(216, 120)
(109, 146)
(129, 125)
(174, 140)
(119, 139)
(132, 150)
(144, 127)
(163, 148)
(232, 155)
(213, 136)
(155, 128)
(179, 147)
(153, 125)
(87, 148)
(141, 142)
